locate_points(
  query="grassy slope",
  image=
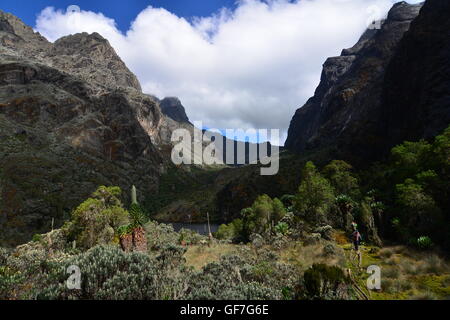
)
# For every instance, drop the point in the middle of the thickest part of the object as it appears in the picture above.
(405, 273)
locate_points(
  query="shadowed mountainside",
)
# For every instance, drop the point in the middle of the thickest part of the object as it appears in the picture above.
(393, 85)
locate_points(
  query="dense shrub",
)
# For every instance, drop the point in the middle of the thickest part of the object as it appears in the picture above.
(138, 217)
(9, 281)
(260, 219)
(339, 174)
(97, 220)
(415, 185)
(282, 228)
(315, 195)
(262, 216)
(232, 231)
(160, 235)
(322, 282)
(109, 273)
(424, 242)
(421, 214)
(230, 279)
(190, 237)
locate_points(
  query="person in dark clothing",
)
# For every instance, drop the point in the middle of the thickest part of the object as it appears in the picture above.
(356, 239)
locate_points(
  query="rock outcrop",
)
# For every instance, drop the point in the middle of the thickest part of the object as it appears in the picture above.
(362, 107)
(173, 108)
(416, 91)
(72, 117)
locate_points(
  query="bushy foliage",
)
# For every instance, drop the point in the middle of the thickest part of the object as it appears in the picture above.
(96, 220)
(323, 282)
(415, 191)
(240, 277)
(108, 273)
(282, 228)
(260, 218)
(137, 216)
(288, 201)
(160, 236)
(9, 278)
(4, 254)
(22, 271)
(339, 174)
(9, 281)
(424, 242)
(315, 195)
(190, 237)
(420, 212)
(232, 231)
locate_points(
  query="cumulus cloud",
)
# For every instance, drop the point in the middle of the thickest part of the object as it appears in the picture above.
(247, 68)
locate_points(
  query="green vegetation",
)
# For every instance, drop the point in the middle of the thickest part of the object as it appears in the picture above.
(315, 195)
(424, 242)
(98, 219)
(291, 246)
(415, 189)
(138, 276)
(322, 282)
(260, 218)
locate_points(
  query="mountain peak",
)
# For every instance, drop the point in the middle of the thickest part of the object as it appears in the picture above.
(91, 57)
(403, 11)
(87, 56)
(172, 107)
(342, 115)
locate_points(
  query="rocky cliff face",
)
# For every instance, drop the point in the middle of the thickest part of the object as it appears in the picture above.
(416, 91)
(72, 117)
(173, 108)
(391, 86)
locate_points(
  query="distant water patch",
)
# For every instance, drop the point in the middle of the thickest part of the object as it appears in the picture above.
(201, 228)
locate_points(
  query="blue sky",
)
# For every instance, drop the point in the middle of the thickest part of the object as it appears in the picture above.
(122, 11)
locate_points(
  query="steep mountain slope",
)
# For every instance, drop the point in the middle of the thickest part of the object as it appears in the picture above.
(72, 117)
(346, 116)
(416, 92)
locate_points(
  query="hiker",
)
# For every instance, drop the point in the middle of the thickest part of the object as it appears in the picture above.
(356, 239)
(354, 226)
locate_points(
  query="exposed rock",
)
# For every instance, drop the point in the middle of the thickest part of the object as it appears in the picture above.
(345, 115)
(91, 57)
(173, 108)
(72, 118)
(416, 91)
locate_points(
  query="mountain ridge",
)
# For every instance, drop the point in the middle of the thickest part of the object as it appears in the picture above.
(344, 116)
(72, 117)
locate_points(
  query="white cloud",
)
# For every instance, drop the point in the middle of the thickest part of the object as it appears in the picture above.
(251, 67)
